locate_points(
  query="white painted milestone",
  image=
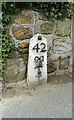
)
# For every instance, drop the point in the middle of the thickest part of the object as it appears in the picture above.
(37, 62)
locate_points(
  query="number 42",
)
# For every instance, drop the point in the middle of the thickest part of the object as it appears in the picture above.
(42, 46)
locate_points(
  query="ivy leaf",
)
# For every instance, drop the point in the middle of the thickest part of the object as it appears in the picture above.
(46, 13)
(1, 15)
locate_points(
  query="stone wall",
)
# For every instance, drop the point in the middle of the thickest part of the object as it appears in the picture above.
(24, 26)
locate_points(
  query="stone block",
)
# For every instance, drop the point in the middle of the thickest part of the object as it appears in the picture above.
(14, 54)
(64, 63)
(37, 27)
(23, 50)
(70, 69)
(51, 66)
(57, 64)
(23, 45)
(62, 46)
(63, 28)
(46, 28)
(21, 32)
(26, 17)
(15, 70)
(49, 43)
(60, 72)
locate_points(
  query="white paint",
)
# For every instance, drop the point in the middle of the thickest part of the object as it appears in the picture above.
(32, 71)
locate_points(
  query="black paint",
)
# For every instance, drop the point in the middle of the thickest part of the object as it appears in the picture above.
(39, 37)
(39, 74)
(41, 46)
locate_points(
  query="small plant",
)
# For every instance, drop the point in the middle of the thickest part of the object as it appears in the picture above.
(6, 47)
(57, 10)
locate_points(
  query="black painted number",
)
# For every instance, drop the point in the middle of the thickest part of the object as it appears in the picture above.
(42, 46)
(36, 47)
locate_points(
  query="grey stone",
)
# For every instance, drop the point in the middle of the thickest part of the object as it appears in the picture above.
(61, 47)
(64, 63)
(63, 28)
(49, 42)
(46, 28)
(51, 66)
(15, 70)
(37, 27)
(26, 17)
(61, 72)
(14, 54)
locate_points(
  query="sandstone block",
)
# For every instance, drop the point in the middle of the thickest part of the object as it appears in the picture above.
(63, 28)
(26, 17)
(23, 45)
(46, 28)
(51, 66)
(64, 63)
(21, 32)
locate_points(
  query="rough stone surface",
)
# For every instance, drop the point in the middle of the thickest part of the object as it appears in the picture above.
(21, 32)
(61, 72)
(23, 50)
(26, 17)
(15, 70)
(49, 38)
(46, 28)
(56, 63)
(64, 63)
(61, 47)
(51, 66)
(63, 28)
(14, 54)
(37, 27)
(23, 45)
